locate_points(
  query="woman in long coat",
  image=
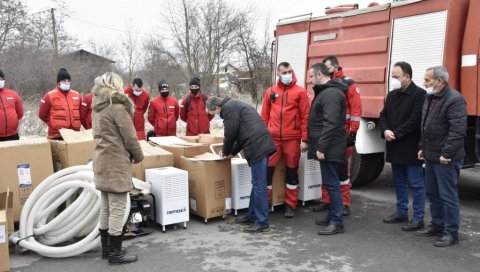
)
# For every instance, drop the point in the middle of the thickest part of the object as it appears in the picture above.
(116, 149)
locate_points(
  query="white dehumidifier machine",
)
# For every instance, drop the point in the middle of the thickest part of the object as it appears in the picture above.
(241, 184)
(170, 189)
(310, 179)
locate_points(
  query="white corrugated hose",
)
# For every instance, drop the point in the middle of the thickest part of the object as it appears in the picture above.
(53, 234)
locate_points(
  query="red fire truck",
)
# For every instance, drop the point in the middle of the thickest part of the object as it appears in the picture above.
(369, 41)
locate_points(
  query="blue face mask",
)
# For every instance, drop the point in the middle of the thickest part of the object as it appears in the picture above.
(286, 79)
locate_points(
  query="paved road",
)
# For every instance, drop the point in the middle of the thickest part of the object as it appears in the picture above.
(293, 245)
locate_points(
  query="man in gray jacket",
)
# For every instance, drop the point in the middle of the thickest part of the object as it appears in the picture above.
(444, 125)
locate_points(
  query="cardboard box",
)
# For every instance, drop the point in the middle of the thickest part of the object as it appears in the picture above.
(278, 183)
(24, 164)
(154, 157)
(6, 226)
(210, 139)
(179, 148)
(209, 184)
(6, 204)
(76, 148)
(190, 139)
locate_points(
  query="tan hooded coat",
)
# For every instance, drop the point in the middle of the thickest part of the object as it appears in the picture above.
(116, 140)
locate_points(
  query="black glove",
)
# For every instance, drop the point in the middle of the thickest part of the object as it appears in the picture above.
(151, 133)
(351, 139)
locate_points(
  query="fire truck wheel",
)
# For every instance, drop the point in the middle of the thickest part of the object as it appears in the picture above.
(365, 168)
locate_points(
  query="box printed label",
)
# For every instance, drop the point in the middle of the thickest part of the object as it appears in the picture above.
(24, 176)
(219, 189)
(3, 239)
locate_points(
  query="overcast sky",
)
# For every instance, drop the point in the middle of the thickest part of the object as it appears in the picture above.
(103, 21)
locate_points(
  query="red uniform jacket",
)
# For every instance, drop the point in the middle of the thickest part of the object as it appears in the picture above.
(286, 117)
(163, 115)
(354, 103)
(11, 111)
(86, 111)
(141, 106)
(59, 109)
(198, 120)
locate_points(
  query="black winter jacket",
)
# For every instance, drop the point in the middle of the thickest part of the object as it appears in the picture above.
(326, 122)
(402, 114)
(444, 126)
(245, 129)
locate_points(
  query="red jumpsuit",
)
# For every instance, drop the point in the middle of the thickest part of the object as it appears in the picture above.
(86, 111)
(141, 106)
(60, 109)
(11, 111)
(197, 118)
(163, 115)
(285, 111)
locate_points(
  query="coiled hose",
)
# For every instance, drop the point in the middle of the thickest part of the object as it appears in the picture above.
(53, 234)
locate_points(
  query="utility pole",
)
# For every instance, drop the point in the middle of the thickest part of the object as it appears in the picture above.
(55, 41)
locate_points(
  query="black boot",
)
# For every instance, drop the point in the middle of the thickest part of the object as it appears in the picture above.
(118, 255)
(104, 239)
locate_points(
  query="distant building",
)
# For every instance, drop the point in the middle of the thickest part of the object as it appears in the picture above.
(230, 78)
(84, 56)
(84, 67)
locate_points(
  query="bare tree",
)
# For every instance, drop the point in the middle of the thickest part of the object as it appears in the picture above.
(255, 55)
(12, 17)
(158, 65)
(203, 37)
(130, 52)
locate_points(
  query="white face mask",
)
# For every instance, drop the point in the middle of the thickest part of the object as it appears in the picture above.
(64, 86)
(137, 93)
(2, 84)
(431, 90)
(394, 84)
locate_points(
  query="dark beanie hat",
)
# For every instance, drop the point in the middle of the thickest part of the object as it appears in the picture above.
(195, 81)
(1, 74)
(162, 84)
(62, 75)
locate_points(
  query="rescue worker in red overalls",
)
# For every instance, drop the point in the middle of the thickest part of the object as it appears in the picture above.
(352, 123)
(285, 112)
(86, 108)
(11, 111)
(60, 107)
(141, 99)
(163, 112)
(193, 110)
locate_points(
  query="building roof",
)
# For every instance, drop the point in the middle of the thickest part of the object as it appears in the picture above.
(85, 54)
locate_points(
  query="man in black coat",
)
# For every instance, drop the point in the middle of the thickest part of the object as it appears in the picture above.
(327, 140)
(444, 126)
(245, 130)
(400, 125)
